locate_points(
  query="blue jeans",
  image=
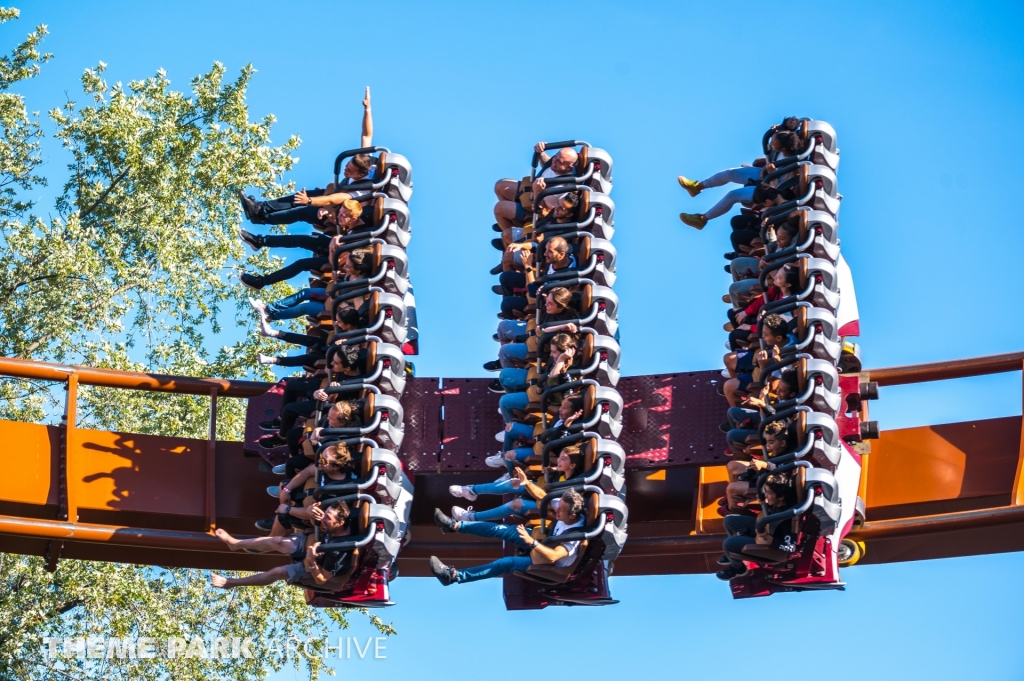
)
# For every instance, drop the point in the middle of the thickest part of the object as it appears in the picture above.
(741, 195)
(741, 175)
(513, 380)
(510, 401)
(519, 431)
(500, 512)
(510, 329)
(299, 304)
(502, 566)
(493, 531)
(512, 351)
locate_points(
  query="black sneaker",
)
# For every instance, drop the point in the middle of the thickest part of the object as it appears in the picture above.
(271, 425)
(724, 427)
(498, 244)
(446, 524)
(265, 525)
(720, 389)
(271, 442)
(498, 269)
(731, 573)
(732, 256)
(496, 228)
(251, 240)
(728, 269)
(250, 208)
(498, 289)
(446, 575)
(250, 281)
(495, 337)
(722, 560)
(496, 387)
(493, 365)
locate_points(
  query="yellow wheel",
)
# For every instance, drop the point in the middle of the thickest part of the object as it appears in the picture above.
(850, 552)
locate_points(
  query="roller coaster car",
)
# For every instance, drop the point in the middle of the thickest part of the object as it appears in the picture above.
(595, 214)
(383, 420)
(388, 221)
(807, 559)
(593, 166)
(390, 267)
(598, 304)
(392, 173)
(378, 473)
(819, 144)
(603, 466)
(602, 407)
(384, 367)
(597, 356)
(595, 259)
(818, 235)
(584, 581)
(386, 311)
(374, 545)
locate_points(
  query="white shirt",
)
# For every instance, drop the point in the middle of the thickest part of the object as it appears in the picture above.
(570, 266)
(570, 546)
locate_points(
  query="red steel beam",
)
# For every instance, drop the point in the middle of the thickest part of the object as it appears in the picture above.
(941, 371)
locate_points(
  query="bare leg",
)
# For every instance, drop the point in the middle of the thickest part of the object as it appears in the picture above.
(505, 214)
(735, 468)
(259, 579)
(730, 389)
(730, 363)
(506, 189)
(261, 544)
(278, 530)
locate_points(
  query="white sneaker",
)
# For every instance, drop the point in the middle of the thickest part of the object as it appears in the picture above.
(500, 436)
(463, 513)
(267, 359)
(503, 478)
(495, 460)
(726, 374)
(259, 306)
(266, 329)
(462, 491)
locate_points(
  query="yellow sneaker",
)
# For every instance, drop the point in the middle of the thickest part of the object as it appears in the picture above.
(693, 188)
(695, 220)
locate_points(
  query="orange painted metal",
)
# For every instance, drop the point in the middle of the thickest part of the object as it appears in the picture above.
(940, 371)
(211, 464)
(109, 378)
(1017, 494)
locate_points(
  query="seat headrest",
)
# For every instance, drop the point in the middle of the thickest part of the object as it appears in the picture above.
(800, 316)
(589, 401)
(371, 355)
(801, 429)
(593, 510)
(368, 406)
(582, 160)
(374, 307)
(590, 454)
(586, 298)
(382, 163)
(583, 207)
(584, 253)
(366, 463)
(587, 349)
(377, 251)
(378, 210)
(363, 520)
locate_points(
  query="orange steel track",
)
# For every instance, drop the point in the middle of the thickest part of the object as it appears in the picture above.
(931, 492)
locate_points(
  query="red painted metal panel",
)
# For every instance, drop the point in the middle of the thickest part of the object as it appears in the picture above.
(470, 421)
(422, 444)
(672, 420)
(265, 407)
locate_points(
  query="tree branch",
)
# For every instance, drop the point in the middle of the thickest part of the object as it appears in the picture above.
(103, 196)
(32, 348)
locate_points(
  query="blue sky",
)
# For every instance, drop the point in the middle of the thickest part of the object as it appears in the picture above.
(927, 99)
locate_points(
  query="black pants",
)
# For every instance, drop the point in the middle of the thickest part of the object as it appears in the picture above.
(317, 243)
(293, 411)
(306, 360)
(283, 211)
(296, 464)
(293, 270)
(315, 343)
(741, 530)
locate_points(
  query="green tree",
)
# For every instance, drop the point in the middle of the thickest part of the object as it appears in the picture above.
(132, 272)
